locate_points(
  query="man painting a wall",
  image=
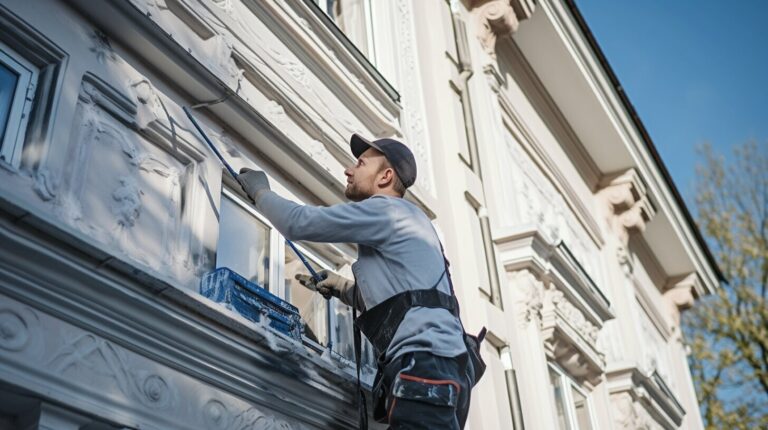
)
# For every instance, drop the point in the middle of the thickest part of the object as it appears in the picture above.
(402, 285)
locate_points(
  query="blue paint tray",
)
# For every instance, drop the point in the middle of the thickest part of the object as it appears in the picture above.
(252, 301)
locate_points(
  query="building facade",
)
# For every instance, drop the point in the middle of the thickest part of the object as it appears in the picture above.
(568, 240)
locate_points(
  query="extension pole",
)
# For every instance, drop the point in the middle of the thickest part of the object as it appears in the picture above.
(232, 172)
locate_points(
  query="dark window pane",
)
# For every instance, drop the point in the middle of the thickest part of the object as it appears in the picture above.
(8, 81)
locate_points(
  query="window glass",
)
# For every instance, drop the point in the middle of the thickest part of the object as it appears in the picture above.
(582, 409)
(243, 242)
(8, 82)
(557, 389)
(312, 306)
(344, 336)
(353, 19)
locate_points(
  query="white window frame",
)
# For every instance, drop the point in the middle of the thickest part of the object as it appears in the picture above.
(21, 105)
(570, 411)
(330, 317)
(277, 245)
(274, 238)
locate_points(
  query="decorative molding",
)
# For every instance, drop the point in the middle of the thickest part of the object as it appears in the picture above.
(413, 119)
(101, 47)
(85, 353)
(529, 294)
(570, 339)
(527, 248)
(680, 294)
(134, 182)
(499, 18)
(529, 154)
(643, 398)
(154, 379)
(628, 210)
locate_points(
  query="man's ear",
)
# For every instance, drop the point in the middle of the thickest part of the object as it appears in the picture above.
(387, 176)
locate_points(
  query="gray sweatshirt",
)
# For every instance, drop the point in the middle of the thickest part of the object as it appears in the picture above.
(398, 250)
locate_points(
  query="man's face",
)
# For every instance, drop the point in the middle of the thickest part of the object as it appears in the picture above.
(363, 175)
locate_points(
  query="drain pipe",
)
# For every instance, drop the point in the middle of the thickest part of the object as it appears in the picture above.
(465, 73)
(513, 393)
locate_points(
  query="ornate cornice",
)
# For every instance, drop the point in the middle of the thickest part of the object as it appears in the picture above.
(499, 18)
(681, 292)
(528, 249)
(643, 396)
(628, 208)
(570, 339)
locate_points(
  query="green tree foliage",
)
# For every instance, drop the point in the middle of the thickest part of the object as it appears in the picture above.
(728, 331)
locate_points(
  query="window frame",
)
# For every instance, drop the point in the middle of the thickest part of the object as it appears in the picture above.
(568, 384)
(274, 236)
(21, 104)
(277, 245)
(369, 64)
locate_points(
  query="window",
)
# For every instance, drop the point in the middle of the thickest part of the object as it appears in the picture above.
(321, 321)
(571, 403)
(18, 79)
(312, 306)
(250, 246)
(244, 240)
(354, 19)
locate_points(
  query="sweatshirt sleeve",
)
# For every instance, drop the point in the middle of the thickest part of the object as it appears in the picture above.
(368, 222)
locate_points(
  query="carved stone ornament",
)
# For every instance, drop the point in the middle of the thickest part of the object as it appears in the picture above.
(529, 296)
(498, 18)
(101, 47)
(628, 207)
(570, 339)
(628, 415)
(88, 353)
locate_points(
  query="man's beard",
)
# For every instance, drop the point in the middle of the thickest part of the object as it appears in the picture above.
(355, 194)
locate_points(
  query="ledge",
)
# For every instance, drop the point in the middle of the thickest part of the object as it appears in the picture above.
(58, 273)
(527, 248)
(651, 391)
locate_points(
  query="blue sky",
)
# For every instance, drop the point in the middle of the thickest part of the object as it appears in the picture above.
(695, 70)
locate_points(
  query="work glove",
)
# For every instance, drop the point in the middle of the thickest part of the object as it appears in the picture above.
(254, 183)
(330, 285)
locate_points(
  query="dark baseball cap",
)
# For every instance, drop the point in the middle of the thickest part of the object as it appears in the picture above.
(399, 156)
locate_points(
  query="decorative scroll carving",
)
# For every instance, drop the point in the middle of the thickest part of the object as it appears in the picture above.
(98, 356)
(14, 330)
(101, 47)
(124, 189)
(628, 209)
(149, 107)
(529, 296)
(570, 338)
(529, 198)
(628, 416)
(574, 316)
(499, 18)
(216, 416)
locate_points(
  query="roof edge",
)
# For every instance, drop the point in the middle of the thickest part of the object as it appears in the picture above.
(645, 135)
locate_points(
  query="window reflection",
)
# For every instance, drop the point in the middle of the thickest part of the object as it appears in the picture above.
(344, 335)
(8, 81)
(312, 306)
(353, 19)
(243, 242)
(582, 409)
(557, 390)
